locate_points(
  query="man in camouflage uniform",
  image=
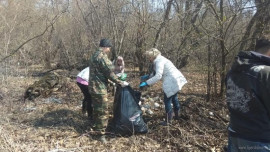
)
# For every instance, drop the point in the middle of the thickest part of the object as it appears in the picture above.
(101, 70)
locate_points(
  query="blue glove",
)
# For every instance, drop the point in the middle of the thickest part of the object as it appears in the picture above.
(144, 77)
(143, 84)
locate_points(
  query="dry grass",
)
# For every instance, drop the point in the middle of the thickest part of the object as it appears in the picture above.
(47, 125)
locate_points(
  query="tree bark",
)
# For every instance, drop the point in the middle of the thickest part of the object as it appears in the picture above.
(257, 25)
(163, 24)
(222, 47)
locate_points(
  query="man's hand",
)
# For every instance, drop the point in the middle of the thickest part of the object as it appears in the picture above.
(124, 84)
(118, 74)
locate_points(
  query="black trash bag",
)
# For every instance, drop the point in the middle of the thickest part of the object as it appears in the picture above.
(127, 114)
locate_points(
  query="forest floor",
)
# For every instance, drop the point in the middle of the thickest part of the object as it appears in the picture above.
(56, 123)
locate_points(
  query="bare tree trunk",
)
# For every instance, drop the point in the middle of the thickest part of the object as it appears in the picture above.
(47, 49)
(139, 47)
(221, 39)
(163, 24)
(257, 25)
(208, 72)
(222, 47)
(94, 26)
(182, 59)
(140, 36)
(118, 32)
(114, 29)
(215, 79)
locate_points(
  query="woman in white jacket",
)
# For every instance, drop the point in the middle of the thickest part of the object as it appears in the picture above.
(173, 81)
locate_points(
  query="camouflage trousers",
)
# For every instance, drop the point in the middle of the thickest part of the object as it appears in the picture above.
(100, 113)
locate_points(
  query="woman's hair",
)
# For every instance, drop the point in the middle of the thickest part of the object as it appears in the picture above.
(153, 52)
(119, 68)
(121, 59)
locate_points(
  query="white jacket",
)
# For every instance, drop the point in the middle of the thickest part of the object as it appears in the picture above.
(173, 79)
(84, 74)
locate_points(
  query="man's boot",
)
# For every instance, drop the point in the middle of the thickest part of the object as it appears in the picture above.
(176, 115)
(101, 135)
(168, 119)
(103, 139)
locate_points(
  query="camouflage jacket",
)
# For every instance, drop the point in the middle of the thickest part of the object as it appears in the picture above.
(101, 70)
